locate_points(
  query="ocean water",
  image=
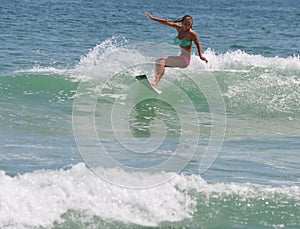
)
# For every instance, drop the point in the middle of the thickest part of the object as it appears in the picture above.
(84, 145)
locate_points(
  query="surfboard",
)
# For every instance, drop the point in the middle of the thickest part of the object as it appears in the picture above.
(144, 80)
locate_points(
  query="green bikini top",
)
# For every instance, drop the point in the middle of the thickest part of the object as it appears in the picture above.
(182, 42)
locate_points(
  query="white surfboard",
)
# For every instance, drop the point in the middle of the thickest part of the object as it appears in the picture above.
(144, 80)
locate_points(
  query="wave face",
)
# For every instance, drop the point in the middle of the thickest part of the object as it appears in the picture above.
(249, 83)
(250, 86)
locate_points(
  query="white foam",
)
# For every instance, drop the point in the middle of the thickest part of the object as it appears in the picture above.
(112, 56)
(240, 61)
(106, 59)
(41, 197)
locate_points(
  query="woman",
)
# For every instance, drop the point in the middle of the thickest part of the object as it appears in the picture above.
(186, 35)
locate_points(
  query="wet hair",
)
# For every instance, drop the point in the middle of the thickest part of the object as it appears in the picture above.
(183, 18)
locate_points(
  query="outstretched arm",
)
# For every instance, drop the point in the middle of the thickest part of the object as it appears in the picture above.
(162, 21)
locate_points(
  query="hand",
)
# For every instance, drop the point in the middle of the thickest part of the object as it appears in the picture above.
(204, 59)
(147, 14)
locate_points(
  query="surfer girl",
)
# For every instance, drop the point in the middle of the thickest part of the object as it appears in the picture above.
(186, 35)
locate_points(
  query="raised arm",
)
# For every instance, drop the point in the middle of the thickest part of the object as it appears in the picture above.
(162, 21)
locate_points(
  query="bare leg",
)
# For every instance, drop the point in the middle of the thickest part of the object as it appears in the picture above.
(162, 63)
(160, 70)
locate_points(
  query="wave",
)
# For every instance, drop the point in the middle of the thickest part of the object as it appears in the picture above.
(250, 84)
(76, 194)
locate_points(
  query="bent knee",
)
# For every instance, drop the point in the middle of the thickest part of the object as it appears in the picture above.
(161, 61)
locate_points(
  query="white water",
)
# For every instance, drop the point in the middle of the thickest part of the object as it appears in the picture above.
(41, 197)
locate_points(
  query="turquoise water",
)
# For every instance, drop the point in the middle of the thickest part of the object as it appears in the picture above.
(84, 145)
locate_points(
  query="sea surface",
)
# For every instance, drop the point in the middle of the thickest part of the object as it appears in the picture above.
(83, 144)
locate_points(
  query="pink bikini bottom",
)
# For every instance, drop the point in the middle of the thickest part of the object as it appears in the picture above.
(186, 59)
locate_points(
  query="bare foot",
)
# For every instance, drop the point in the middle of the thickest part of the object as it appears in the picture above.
(153, 83)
